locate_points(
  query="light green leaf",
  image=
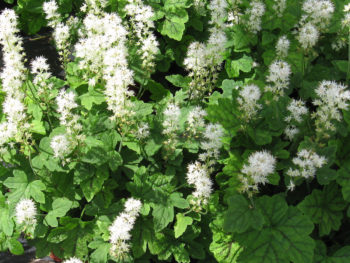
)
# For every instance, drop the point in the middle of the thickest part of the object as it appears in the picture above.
(181, 224)
(37, 126)
(179, 81)
(91, 98)
(243, 64)
(6, 223)
(15, 247)
(100, 255)
(177, 201)
(60, 207)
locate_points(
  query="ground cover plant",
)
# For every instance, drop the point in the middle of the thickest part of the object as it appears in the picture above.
(182, 131)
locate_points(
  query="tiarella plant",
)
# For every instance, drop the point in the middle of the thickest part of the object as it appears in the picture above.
(180, 130)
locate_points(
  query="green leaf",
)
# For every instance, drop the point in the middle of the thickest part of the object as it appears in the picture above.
(243, 64)
(15, 247)
(179, 81)
(94, 185)
(100, 255)
(174, 4)
(37, 126)
(341, 65)
(284, 237)
(174, 24)
(240, 216)
(6, 223)
(181, 224)
(162, 215)
(222, 246)
(96, 155)
(115, 160)
(324, 208)
(22, 188)
(35, 189)
(325, 175)
(261, 137)
(341, 255)
(177, 201)
(91, 98)
(60, 207)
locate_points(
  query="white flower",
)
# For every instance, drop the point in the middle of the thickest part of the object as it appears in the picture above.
(260, 166)
(290, 131)
(296, 109)
(132, 206)
(218, 12)
(141, 19)
(13, 76)
(248, 101)
(279, 6)
(211, 143)
(73, 260)
(319, 12)
(255, 12)
(51, 10)
(171, 118)
(195, 119)
(121, 227)
(282, 46)
(198, 175)
(143, 131)
(332, 97)
(26, 212)
(61, 146)
(307, 163)
(279, 73)
(308, 36)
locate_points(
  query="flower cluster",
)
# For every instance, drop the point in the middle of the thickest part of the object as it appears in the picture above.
(248, 101)
(61, 31)
(12, 76)
(26, 212)
(141, 24)
(198, 175)
(211, 144)
(332, 97)
(41, 71)
(346, 20)
(279, 73)
(260, 165)
(282, 47)
(255, 13)
(121, 227)
(63, 144)
(203, 60)
(94, 6)
(279, 6)
(296, 110)
(318, 12)
(195, 120)
(171, 125)
(103, 54)
(308, 36)
(307, 162)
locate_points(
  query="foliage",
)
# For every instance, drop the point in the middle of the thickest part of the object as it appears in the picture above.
(297, 213)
